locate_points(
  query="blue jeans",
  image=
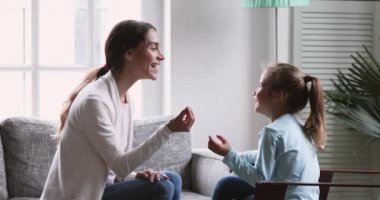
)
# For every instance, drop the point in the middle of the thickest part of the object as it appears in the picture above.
(139, 189)
(232, 187)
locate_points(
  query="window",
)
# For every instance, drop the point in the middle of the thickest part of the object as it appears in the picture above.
(47, 46)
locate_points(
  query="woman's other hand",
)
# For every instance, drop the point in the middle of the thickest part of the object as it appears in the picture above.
(220, 147)
(151, 175)
(183, 122)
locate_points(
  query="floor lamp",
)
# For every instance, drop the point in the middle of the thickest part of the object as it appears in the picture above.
(274, 4)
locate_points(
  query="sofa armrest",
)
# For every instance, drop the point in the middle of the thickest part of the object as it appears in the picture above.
(207, 169)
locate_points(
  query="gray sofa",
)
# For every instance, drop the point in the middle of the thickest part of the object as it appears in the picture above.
(26, 152)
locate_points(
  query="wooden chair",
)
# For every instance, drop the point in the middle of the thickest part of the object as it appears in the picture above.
(326, 176)
(269, 190)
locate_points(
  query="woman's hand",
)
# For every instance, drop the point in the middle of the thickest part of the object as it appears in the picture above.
(183, 122)
(151, 175)
(221, 147)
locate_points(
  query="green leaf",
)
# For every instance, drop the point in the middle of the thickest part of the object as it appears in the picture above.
(356, 95)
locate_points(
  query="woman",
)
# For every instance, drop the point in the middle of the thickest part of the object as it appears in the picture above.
(287, 147)
(95, 159)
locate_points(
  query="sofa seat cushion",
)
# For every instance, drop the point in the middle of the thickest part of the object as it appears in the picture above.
(28, 153)
(188, 195)
(203, 161)
(185, 195)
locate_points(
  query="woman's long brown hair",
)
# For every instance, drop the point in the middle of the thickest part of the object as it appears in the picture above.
(124, 36)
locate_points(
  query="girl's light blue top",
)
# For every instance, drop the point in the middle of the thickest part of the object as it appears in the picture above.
(285, 153)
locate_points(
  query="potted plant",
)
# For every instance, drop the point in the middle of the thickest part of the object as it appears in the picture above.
(356, 95)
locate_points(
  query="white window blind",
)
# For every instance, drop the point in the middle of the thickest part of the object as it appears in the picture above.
(325, 35)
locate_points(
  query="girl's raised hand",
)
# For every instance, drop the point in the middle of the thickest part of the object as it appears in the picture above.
(183, 122)
(220, 147)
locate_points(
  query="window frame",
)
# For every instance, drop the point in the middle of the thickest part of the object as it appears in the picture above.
(35, 68)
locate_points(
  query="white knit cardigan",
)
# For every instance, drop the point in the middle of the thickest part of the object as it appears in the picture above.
(89, 144)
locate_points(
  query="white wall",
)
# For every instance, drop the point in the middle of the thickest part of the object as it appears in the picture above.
(217, 50)
(152, 12)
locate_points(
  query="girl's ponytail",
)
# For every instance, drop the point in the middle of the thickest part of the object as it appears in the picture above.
(315, 123)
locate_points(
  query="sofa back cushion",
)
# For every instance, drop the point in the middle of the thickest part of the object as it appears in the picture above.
(175, 155)
(3, 180)
(28, 153)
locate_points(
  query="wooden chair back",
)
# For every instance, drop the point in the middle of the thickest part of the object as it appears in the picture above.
(268, 190)
(327, 175)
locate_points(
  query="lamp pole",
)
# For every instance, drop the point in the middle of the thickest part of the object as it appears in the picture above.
(276, 34)
(274, 4)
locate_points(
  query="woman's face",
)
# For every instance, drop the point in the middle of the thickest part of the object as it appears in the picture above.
(148, 56)
(262, 97)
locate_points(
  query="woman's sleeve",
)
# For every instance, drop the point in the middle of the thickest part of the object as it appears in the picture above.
(96, 121)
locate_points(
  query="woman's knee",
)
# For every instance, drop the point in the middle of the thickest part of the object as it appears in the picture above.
(177, 183)
(174, 178)
(164, 189)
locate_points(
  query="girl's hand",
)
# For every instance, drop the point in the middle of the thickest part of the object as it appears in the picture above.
(221, 147)
(151, 175)
(183, 122)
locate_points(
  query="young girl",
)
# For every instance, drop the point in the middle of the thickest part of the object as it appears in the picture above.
(94, 158)
(287, 148)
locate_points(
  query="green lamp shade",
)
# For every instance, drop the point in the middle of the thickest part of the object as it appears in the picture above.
(273, 3)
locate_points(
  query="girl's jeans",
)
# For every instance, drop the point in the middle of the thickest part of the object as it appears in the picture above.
(232, 187)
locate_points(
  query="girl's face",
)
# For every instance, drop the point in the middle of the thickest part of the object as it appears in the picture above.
(263, 98)
(148, 56)
(268, 102)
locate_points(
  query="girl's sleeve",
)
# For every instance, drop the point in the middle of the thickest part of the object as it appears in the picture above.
(95, 120)
(251, 155)
(268, 153)
(264, 159)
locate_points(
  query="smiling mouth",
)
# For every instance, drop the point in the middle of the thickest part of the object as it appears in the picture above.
(155, 65)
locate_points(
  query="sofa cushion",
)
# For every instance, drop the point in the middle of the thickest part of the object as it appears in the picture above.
(188, 195)
(175, 155)
(3, 180)
(204, 161)
(28, 152)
